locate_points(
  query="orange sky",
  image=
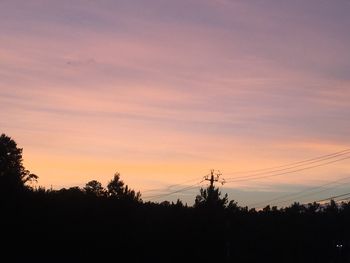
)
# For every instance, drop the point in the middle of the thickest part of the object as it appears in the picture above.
(165, 91)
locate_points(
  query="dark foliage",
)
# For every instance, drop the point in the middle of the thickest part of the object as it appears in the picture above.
(210, 198)
(115, 225)
(94, 188)
(14, 177)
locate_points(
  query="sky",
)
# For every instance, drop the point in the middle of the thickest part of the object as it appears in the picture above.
(164, 91)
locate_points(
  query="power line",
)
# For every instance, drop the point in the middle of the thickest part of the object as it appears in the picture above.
(152, 197)
(324, 190)
(171, 186)
(212, 177)
(319, 159)
(300, 192)
(287, 169)
(182, 183)
(332, 197)
(293, 163)
(290, 166)
(288, 172)
(344, 199)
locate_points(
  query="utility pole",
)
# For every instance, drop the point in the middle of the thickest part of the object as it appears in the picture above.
(214, 177)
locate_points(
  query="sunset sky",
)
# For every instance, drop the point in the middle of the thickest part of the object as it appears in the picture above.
(164, 91)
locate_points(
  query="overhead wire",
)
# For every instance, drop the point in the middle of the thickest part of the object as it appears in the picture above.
(152, 197)
(305, 195)
(287, 172)
(268, 173)
(169, 187)
(304, 163)
(345, 151)
(332, 197)
(344, 199)
(182, 183)
(281, 199)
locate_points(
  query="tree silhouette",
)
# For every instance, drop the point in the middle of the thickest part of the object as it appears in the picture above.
(66, 223)
(332, 207)
(116, 189)
(130, 194)
(115, 186)
(13, 175)
(210, 197)
(94, 188)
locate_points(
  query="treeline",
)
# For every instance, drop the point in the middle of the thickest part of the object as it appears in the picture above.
(114, 224)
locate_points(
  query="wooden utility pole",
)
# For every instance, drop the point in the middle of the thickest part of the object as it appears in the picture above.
(214, 177)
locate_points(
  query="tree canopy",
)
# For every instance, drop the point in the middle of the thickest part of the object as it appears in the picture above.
(117, 189)
(13, 175)
(84, 220)
(210, 198)
(94, 188)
